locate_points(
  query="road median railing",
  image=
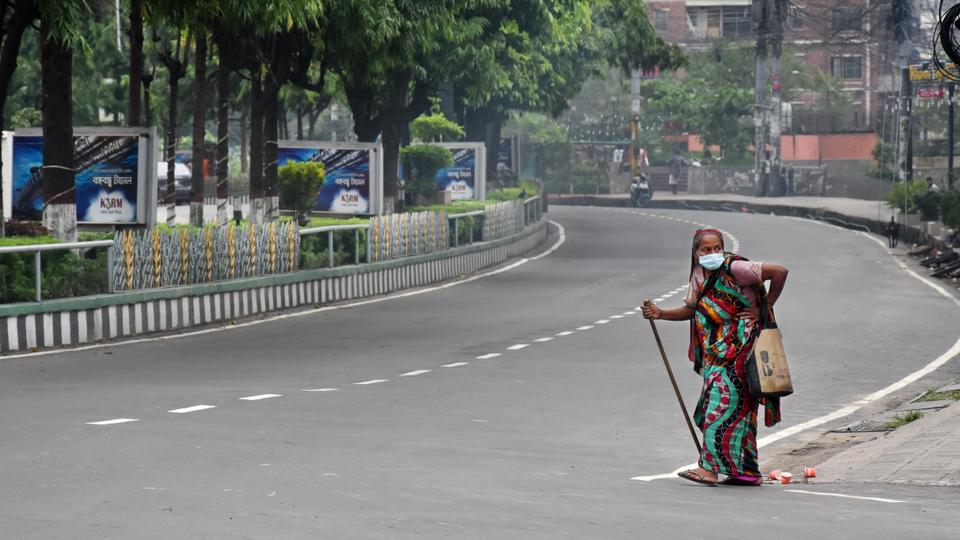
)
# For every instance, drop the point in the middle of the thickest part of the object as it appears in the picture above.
(79, 249)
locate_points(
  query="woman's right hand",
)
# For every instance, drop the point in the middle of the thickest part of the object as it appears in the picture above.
(650, 310)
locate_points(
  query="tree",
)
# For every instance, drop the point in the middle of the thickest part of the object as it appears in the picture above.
(423, 161)
(16, 17)
(59, 24)
(175, 58)
(199, 129)
(435, 128)
(135, 77)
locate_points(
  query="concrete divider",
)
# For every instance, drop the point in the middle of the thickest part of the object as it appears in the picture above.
(78, 321)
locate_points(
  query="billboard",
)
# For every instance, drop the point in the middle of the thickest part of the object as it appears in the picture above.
(508, 155)
(113, 175)
(466, 178)
(353, 174)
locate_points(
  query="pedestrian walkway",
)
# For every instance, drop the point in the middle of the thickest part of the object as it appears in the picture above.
(926, 451)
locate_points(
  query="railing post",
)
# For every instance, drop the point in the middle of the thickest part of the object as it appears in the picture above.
(37, 275)
(456, 232)
(369, 243)
(111, 284)
(356, 246)
(330, 249)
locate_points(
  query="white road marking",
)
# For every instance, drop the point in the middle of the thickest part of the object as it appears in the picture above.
(660, 299)
(877, 499)
(260, 396)
(587, 327)
(851, 408)
(488, 356)
(629, 312)
(668, 295)
(565, 333)
(518, 346)
(561, 239)
(371, 381)
(319, 389)
(543, 339)
(415, 373)
(601, 321)
(112, 422)
(195, 408)
(455, 364)
(616, 316)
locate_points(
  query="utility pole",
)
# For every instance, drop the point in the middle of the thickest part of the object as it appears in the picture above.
(759, 17)
(634, 123)
(775, 17)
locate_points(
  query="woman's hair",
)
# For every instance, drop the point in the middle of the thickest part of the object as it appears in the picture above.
(697, 237)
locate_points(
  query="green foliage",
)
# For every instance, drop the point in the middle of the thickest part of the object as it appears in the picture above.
(315, 249)
(64, 274)
(950, 209)
(903, 419)
(883, 169)
(26, 118)
(897, 194)
(535, 127)
(524, 190)
(435, 128)
(422, 161)
(327, 221)
(299, 185)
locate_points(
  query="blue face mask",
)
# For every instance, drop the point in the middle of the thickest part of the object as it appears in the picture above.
(711, 261)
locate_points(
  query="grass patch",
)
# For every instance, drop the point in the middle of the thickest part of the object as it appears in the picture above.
(903, 419)
(933, 395)
(328, 221)
(27, 240)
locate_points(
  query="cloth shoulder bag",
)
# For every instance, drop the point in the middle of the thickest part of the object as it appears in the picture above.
(768, 375)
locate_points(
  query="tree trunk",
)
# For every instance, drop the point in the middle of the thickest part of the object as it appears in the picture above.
(136, 62)
(18, 22)
(197, 175)
(299, 123)
(170, 195)
(312, 123)
(223, 137)
(256, 146)
(391, 157)
(494, 130)
(147, 80)
(244, 143)
(271, 92)
(59, 186)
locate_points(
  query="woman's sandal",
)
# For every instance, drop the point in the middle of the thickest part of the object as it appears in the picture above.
(695, 477)
(734, 481)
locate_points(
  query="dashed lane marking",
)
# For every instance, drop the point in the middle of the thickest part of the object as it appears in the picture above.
(260, 396)
(543, 339)
(320, 389)
(565, 333)
(518, 346)
(616, 316)
(601, 321)
(371, 381)
(585, 327)
(488, 356)
(455, 364)
(415, 373)
(194, 408)
(629, 312)
(112, 422)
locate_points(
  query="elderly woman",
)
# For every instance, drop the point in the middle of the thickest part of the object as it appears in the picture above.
(723, 302)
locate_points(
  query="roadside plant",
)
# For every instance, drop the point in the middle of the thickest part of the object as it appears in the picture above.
(299, 185)
(421, 162)
(435, 128)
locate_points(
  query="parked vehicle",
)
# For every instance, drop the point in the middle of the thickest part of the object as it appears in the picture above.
(181, 174)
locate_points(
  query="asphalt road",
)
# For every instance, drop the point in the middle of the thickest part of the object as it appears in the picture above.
(540, 441)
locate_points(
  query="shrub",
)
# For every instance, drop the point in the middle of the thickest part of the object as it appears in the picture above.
(299, 185)
(897, 194)
(421, 162)
(435, 128)
(950, 209)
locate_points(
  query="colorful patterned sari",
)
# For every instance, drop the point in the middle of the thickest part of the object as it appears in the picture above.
(719, 347)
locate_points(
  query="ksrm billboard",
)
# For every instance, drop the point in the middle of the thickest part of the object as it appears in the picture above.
(466, 178)
(353, 174)
(116, 175)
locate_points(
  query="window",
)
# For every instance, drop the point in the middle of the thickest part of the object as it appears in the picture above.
(846, 19)
(660, 19)
(847, 67)
(736, 22)
(796, 17)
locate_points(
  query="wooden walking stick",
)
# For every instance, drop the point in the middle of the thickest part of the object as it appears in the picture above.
(676, 389)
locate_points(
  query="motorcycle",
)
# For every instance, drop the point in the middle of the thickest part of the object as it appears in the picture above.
(640, 192)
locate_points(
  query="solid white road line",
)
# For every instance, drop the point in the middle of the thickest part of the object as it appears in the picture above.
(877, 499)
(319, 389)
(518, 346)
(195, 408)
(543, 339)
(371, 381)
(455, 364)
(586, 327)
(565, 333)
(260, 396)
(489, 356)
(562, 238)
(415, 373)
(111, 422)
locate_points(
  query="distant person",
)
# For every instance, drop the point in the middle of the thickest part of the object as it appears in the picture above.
(523, 194)
(892, 232)
(932, 186)
(675, 165)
